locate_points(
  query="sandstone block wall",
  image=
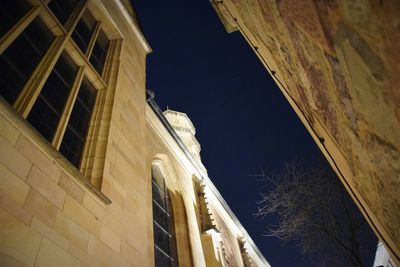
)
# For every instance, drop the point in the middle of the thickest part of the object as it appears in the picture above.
(50, 215)
(337, 63)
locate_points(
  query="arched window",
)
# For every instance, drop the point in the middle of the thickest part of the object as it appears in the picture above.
(165, 252)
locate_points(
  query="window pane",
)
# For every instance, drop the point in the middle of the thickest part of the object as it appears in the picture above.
(11, 11)
(78, 124)
(21, 58)
(173, 252)
(158, 195)
(99, 52)
(161, 239)
(161, 260)
(84, 30)
(71, 147)
(47, 110)
(159, 181)
(160, 216)
(62, 8)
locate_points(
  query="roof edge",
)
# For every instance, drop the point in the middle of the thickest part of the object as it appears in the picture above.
(134, 27)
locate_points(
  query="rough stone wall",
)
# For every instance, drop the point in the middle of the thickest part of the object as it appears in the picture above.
(338, 63)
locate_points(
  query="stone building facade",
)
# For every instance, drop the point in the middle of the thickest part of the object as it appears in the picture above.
(338, 65)
(92, 172)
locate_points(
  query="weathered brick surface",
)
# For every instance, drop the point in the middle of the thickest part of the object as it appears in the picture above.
(50, 234)
(94, 206)
(18, 240)
(110, 238)
(12, 186)
(339, 62)
(6, 260)
(8, 132)
(41, 208)
(52, 255)
(71, 230)
(82, 216)
(14, 160)
(133, 256)
(14, 209)
(43, 184)
(32, 152)
(71, 187)
(100, 251)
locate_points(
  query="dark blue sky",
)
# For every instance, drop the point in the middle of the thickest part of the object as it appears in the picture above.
(243, 122)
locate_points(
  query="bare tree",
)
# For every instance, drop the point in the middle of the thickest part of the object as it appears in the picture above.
(314, 210)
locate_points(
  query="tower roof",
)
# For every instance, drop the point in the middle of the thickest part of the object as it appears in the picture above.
(180, 120)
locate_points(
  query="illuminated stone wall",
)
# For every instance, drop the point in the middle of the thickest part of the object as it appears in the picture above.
(204, 222)
(54, 213)
(337, 63)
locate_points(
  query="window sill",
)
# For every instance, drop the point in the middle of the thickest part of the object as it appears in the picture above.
(45, 147)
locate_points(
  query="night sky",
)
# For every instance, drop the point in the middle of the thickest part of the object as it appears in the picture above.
(244, 124)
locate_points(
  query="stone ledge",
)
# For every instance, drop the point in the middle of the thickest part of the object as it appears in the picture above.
(46, 148)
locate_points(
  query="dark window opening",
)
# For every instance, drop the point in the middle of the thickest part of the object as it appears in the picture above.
(78, 124)
(11, 11)
(99, 53)
(160, 216)
(47, 110)
(84, 30)
(62, 9)
(21, 58)
(159, 196)
(162, 259)
(164, 234)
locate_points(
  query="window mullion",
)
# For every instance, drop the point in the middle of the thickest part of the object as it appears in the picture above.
(18, 28)
(32, 88)
(63, 122)
(93, 40)
(101, 117)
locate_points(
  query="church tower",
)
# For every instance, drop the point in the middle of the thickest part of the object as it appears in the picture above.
(184, 128)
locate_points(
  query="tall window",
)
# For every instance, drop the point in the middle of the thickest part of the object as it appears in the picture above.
(163, 225)
(60, 106)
